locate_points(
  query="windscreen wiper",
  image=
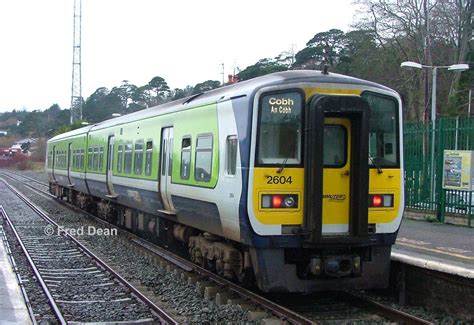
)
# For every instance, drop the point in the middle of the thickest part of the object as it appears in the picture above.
(282, 165)
(372, 160)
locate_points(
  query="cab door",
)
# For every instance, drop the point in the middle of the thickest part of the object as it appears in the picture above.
(336, 169)
(336, 175)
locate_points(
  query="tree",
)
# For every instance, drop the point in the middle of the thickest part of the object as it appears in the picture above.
(159, 89)
(262, 67)
(432, 33)
(324, 45)
(206, 86)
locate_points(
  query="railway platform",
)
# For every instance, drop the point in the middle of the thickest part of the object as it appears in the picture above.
(13, 309)
(440, 247)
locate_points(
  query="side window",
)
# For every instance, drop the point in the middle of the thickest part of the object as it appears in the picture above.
(231, 155)
(89, 158)
(203, 161)
(96, 157)
(138, 161)
(148, 158)
(101, 157)
(185, 157)
(119, 158)
(127, 163)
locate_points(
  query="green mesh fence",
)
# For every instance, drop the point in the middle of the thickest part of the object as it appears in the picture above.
(423, 191)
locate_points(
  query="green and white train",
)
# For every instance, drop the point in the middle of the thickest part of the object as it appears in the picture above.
(292, 181)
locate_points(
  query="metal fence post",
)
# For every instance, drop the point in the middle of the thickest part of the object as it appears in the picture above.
(440, 193)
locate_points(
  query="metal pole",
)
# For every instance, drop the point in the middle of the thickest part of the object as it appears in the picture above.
(457, 133)
(433, 133)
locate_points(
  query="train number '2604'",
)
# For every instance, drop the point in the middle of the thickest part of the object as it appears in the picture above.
(278, 179)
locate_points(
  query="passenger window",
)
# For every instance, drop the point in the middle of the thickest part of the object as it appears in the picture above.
(127, 164)
(119, 158)
(334, 152)
(231, 155)
(148, 158)
(138, 158)
(101, 157)
(89, 158)
(82, 158)
(96, 157)
(185, 157)
(202, 171)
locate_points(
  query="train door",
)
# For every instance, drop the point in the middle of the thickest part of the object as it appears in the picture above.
(336, 175)
(166, 162)
(110, 167)
(53, 164)
(336, 181)
(69, 163)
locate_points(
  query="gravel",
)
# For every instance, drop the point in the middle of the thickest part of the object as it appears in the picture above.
(73, 278)
(180, 298)
(177, 296)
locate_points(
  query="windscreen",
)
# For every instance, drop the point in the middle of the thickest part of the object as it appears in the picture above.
(280, 129)
(383, 130)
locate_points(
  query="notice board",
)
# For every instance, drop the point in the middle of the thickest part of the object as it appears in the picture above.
(458, 172)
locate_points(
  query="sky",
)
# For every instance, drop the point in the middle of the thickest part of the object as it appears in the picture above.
(183, 41)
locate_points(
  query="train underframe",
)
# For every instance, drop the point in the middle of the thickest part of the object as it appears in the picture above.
(308, 269)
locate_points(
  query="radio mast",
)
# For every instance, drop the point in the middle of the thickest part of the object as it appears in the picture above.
(76, 92)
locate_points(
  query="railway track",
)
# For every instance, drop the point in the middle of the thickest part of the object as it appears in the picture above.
(222, 291)
(71, 276)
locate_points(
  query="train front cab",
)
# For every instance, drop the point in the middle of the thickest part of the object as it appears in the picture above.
(335, 199)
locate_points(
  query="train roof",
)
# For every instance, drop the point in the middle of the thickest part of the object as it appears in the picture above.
(244, 88)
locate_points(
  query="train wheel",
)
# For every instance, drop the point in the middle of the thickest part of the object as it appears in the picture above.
(247, 278)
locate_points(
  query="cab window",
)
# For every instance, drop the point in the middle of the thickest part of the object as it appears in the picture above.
(280, 129)
(383, 130)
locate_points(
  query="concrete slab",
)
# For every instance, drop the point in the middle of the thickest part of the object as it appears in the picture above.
(13, 309)
(441, 247)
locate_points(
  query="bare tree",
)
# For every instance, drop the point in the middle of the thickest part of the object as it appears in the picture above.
(430, 32)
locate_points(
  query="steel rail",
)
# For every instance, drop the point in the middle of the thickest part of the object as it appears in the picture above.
(160, 313)
(38, 276)
(26, 177)
(388, 312)
(21, 282)
(277, 310)
(280, 311)
(188, 266)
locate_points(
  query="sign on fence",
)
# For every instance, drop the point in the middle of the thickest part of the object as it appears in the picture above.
(458, 170)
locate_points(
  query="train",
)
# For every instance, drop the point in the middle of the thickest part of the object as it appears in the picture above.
(292, 181)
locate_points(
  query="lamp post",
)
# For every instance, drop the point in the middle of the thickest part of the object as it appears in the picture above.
(434, 69)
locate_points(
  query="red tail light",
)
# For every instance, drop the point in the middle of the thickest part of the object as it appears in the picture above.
(279, 201)
(377, 201)
(276, 201)
(381, 200)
